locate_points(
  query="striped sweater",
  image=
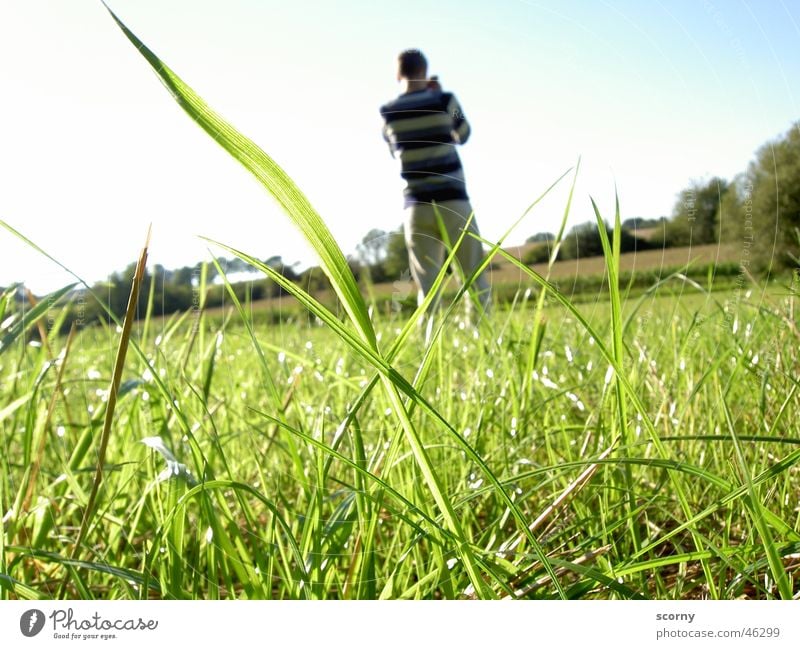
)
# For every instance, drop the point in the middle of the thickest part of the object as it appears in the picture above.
(423, 127)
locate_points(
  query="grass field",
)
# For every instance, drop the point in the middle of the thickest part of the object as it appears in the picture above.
(625, 447)
(289, 478)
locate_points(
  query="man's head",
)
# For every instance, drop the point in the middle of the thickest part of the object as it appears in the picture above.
(411, 65)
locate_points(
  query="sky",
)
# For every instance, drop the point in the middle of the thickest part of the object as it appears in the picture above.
(93, 149)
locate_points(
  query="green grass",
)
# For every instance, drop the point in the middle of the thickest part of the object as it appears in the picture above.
(627, 447)
(302, 500)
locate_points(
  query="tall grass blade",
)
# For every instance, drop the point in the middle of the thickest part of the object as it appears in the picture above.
(119, 364)
(757, 509)
(274, 179)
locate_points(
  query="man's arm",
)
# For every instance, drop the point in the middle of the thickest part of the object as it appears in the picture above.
(385, 132)
(461, 128)
(388, 139)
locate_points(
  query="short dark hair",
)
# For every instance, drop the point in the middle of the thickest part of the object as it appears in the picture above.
(413, 64)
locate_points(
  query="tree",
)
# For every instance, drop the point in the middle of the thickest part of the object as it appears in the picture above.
(372, 248)
(695, 216)
(541, 237)
(396, 263)
(769, 216)
(642, 223)
(312, 280)
(584, 241)
(276, 263)
(537, 254)
(383, 254)
(183, 276)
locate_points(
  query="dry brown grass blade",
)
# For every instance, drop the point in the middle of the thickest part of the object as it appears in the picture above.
(573, 488)
(119, 363)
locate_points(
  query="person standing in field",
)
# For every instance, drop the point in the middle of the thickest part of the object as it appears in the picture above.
(423, 125)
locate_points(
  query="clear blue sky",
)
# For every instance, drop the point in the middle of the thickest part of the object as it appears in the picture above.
(650, 94)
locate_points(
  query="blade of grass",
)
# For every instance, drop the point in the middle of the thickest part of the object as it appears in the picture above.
(274, 179)
(757, 508)
(537, 333)
(119, 363)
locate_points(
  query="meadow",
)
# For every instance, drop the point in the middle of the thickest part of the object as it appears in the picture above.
(264, 462)
(633, 445)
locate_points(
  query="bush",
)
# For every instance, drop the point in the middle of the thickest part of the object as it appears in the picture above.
(584, 241)
(541, 237)
(537, 254)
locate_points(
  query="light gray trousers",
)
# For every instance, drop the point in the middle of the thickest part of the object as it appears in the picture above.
(426, 252)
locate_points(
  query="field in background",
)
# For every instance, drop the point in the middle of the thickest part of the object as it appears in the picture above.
(571, 275)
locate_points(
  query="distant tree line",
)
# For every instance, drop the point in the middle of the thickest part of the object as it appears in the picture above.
(759, 209)
(178, 289)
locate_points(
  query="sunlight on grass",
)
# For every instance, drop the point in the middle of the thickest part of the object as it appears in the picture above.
(610, 449)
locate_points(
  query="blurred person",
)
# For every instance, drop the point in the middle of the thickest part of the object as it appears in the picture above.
(423, 125)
